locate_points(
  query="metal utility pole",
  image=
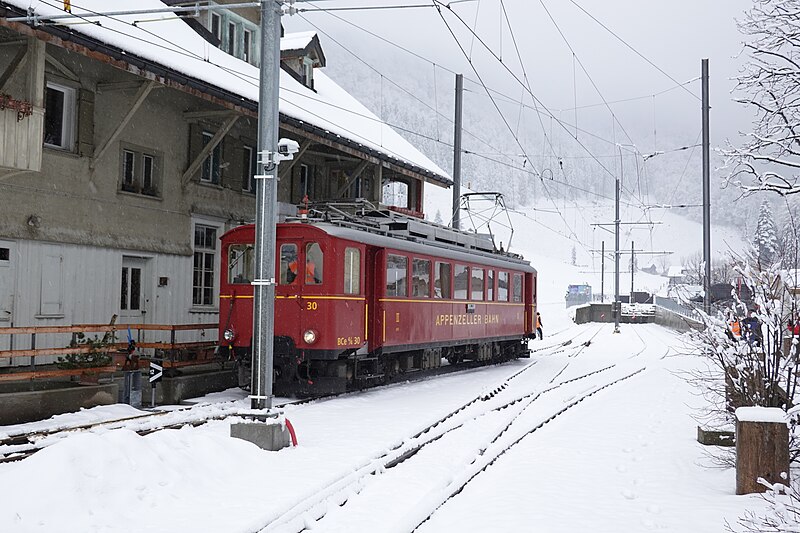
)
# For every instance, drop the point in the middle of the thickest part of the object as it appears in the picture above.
(457, 151)
(632, 261)
(266, 204)
(602, 271)
(617, 304)
(706, 192)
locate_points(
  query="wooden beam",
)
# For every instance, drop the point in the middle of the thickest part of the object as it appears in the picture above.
(352, 179)
(215, 140)
(118, 86)
(197, 115)
(14, 67)
(139, 99)
(61, 68)
(286, 168)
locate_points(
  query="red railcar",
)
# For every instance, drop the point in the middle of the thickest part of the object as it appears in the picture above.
(363, 300)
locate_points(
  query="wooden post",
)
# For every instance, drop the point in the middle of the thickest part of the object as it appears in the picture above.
(762, 448)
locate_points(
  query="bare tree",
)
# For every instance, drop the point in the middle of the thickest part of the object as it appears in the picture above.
(769, 159)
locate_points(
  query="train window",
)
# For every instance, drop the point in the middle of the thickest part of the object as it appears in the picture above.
(442, 286)
(240, 263)
(502, 286)
(352, 271)
(420, 278)
(477, 284)
(517, 292)
(396, 275)
(461, 282)
(490, 285)
(288, 266)
(313, 264)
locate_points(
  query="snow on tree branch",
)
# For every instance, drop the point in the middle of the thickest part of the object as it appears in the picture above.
(769, 158)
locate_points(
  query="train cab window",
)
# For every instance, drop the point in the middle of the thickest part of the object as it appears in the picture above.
(314, 259)
(502, 286)
(461, 282)
(490, 285)
(442, 287)
(288, 265)
(517, 292)
(420, 278)
(396, 275)
(240, 263)
(352, 271)
(477, 284)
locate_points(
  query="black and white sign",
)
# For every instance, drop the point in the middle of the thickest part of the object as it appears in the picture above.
(156, 372)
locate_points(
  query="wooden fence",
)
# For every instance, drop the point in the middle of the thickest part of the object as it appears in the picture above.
(171, 352)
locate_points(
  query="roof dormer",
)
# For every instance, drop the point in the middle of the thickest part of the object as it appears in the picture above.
(301, 53)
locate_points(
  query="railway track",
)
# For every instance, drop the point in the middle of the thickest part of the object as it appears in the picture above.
(19, 446)
(501, 399)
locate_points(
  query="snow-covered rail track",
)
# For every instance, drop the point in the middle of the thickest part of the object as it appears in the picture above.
(497, 402)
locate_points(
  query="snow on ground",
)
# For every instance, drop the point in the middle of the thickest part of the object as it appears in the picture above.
(622, 459)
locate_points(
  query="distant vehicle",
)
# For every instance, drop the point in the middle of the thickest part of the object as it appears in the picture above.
(578, 294)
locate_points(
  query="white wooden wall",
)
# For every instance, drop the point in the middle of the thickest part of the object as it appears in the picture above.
(63, 284)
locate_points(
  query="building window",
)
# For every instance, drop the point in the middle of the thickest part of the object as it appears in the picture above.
(59, 116)
(139, 171)
(247, 50)
(205, 253)
(306, 182)
(352, 271)
(216, 26)
(308, 73)
(249, 169)
(232, 38)
(420, 278)
(396, 274)
(211, 165)
(51, 296)
(441, 286)
(131, 289)
(5, 254)
(490, 285)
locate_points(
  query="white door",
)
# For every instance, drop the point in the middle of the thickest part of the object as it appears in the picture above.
(134, 284)
(7, 263)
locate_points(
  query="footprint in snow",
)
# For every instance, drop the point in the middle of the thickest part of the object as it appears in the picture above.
(629, 494)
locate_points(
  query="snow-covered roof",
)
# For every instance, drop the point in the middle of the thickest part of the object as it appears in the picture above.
(166, 41)
(675, 271)
(297, 41)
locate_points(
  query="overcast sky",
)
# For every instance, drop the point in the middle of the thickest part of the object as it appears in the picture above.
(673, 35)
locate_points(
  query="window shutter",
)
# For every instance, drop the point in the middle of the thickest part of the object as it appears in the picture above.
(85, 123)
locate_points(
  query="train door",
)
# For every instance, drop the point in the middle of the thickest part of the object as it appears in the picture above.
(375, 272)
(372, 284)
(7, 260)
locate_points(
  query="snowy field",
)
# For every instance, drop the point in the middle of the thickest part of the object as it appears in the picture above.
(596, 432)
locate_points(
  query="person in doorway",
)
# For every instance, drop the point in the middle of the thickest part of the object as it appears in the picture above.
(311, 272)
(539, 325)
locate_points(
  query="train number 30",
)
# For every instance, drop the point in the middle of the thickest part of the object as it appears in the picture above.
(311, 306)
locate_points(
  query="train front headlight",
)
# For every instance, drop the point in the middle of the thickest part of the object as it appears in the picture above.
(228, 334)
(310, 336)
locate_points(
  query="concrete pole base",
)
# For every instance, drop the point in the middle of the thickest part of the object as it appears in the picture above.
(270, 435)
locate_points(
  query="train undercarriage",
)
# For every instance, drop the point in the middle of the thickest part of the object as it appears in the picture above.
(308, 373)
